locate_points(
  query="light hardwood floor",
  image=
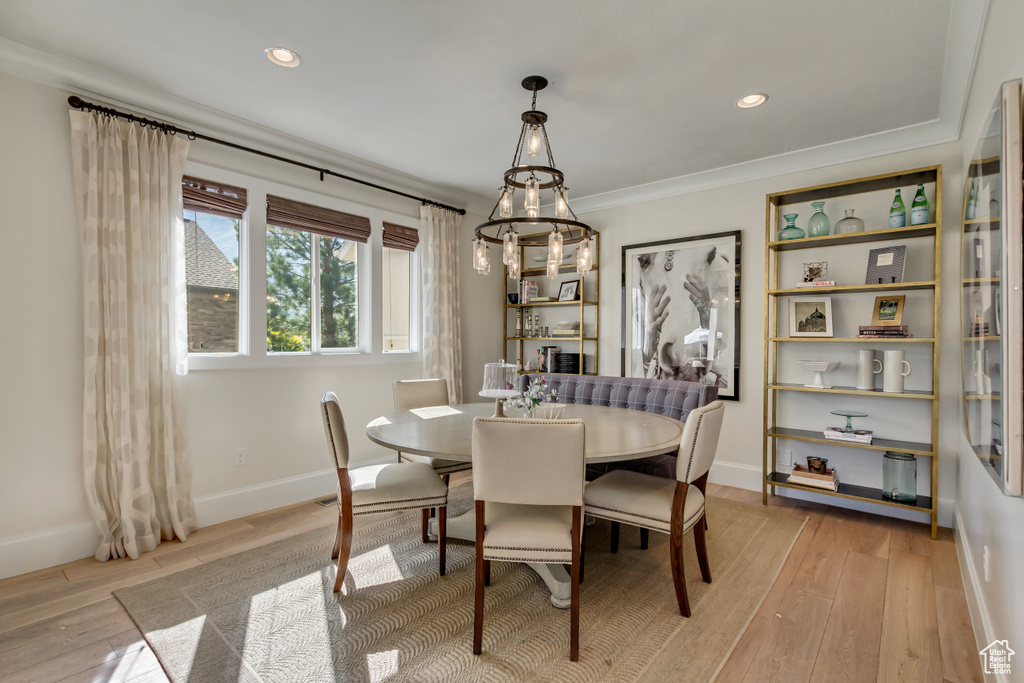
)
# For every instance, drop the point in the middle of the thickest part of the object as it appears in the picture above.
(859, 599)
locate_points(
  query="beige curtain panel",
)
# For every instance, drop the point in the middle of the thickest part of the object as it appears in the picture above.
(288, 213)
(400, 237)
(128, 193)
(439, 265)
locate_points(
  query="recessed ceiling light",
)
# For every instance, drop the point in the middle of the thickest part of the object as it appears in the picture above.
(282, 56)
(753, 100)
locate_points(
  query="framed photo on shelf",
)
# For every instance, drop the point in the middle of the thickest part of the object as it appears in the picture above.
(888, 310)
(885, 265)
(569, 290)
(681, 310)
(810, 316)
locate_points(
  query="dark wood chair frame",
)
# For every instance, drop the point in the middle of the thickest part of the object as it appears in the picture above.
(675, 546)
(483, 578)
(343, 538)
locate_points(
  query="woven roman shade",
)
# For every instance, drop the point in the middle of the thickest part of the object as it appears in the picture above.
(400, 237)
(287, 213)
(207, 196)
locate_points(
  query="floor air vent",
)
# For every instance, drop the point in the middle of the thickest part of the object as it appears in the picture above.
(327, 501)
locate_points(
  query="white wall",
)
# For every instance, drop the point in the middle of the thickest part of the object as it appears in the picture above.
(272, 412)
(986, 519)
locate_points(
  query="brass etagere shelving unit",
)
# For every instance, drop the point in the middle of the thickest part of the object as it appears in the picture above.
(776, 391)
(589, 297)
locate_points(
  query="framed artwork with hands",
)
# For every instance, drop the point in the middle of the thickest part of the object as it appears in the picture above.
(681, 310)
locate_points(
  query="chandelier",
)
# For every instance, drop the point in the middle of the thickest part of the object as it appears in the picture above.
(506, 219)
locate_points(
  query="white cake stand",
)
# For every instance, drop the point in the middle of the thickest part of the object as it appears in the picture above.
(819, 367)
(499, 396)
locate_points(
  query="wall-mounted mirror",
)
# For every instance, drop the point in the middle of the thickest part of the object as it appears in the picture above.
(992, 339)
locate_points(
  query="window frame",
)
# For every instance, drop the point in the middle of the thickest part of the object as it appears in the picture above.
(415, 317)
(253, 311)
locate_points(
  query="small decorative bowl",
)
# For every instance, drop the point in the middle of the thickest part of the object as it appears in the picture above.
(816, 464)
(513, 298)
(567, 324)
(549, 411)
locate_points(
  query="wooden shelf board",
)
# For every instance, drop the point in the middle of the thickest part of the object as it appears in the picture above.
(882, 235)
(912, 447)
(852, 491)
(552, 303)
(967, 340)
(849, 340)
(853, 391)
(840, 289)
(983, 397)
(975, 281)
(845, 188)
(566, 339)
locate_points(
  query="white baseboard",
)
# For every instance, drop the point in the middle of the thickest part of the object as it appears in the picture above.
(749, 477)
(980, 620)
(40, 549)
(49, 547)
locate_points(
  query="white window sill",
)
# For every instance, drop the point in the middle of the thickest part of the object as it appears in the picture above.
(297, 360)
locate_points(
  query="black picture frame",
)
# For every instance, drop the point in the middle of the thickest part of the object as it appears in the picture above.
(575, 292)
(707, 278)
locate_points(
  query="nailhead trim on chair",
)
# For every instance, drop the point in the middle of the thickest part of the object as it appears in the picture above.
(440, 502)
(396, 502)
(330, 432)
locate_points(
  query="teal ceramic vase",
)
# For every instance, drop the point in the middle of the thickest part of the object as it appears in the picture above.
(818, 225)
(791, 232)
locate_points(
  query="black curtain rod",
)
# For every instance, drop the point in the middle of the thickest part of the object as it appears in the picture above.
(78, 103)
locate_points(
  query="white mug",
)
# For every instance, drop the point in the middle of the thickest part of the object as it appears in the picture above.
(867, 367)
(896, 368)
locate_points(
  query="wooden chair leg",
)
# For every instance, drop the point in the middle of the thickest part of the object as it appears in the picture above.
(425, 524)
(574, 607)
(442, 522)
(675, 548)
(337, 541)
(583, 552)
(615, 537)
(645, 537)
(478, 597)
(487, 572)
(345, 527)
(700, 540)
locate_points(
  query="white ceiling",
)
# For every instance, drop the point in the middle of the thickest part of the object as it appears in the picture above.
(641, 91)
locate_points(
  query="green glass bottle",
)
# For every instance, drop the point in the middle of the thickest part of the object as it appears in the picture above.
(919, 212)
(897, 212)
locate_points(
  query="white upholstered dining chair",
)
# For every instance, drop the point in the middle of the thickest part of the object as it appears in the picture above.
(411, 394)
(377, 488)
(528, 502)
(660, 504)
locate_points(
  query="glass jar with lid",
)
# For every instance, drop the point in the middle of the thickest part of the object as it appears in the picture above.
(899, 477)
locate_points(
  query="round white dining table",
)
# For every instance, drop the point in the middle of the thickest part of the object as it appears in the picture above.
(612, 434)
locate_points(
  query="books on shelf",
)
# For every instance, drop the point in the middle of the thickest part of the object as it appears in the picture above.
(979, 330)
(540, 299)
(528, 290)
(883, 332)
(565, 333)
(860, 436)
(803, 476)
(819, 283)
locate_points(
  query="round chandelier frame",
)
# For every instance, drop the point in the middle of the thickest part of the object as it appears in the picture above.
(502, 220)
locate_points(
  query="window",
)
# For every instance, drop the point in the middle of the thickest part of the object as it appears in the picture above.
(213, 214)
(397, 278)
(312, 265)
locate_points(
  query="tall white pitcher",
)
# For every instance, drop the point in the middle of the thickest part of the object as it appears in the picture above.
(896, 368)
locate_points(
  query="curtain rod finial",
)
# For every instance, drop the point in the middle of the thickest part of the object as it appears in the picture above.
(75, 101)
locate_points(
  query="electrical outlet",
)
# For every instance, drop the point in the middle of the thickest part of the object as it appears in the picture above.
(985, 561)
(784, 458)
(239, 457)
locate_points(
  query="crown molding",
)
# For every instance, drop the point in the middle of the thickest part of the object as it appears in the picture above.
(963, 41)
(93, 83)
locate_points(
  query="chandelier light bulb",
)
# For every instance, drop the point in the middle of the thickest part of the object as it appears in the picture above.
(480, 260)
(533, 144)
(505, 203)
(532, 200)
(584, 257)
(510, 244)
(514, 269)
(562, 202)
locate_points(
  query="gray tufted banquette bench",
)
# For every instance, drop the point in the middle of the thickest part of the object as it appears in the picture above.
(669, 397)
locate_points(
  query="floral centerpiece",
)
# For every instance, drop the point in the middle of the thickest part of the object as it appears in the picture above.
(537, 392)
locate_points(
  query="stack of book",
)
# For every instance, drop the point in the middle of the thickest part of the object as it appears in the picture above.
(883, 332)
(860, 436)
(819, 283)
(565, 333)
(528, 290)
(979, 330)
(803, 476)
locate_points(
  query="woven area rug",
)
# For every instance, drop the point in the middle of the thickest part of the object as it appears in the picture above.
(268, 614)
